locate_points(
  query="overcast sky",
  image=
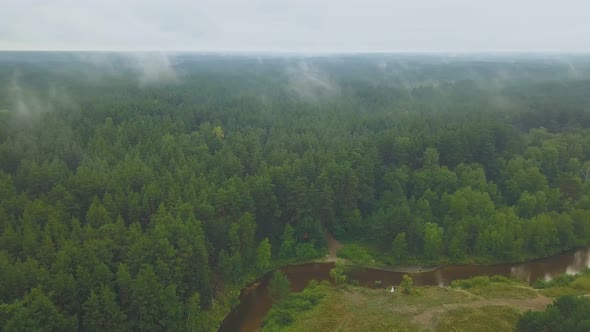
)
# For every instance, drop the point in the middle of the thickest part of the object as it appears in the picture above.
(297, 25)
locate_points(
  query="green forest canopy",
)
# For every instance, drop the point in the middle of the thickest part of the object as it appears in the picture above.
(131, 197)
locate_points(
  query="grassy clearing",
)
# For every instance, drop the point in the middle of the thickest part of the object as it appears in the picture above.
(349, 309)
(489, 318)
(477, 304)
(496, 287)
(503, 291)
(492, 304)
(361, 309)
(424, 298)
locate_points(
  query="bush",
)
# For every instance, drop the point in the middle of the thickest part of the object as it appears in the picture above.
(559, 281)
(501, 279)
(279, 286)
(305, 251)
(567, 313)
(283, 317)
(563, 285)
(283, 313)
(338, 274)
(312, 293)
(355, 253)
(581, 283)
(407, 284)
(480, 281)
(494, 287)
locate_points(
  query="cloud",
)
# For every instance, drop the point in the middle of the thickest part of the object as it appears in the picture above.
(153, 68)
(146, 67)
(297, 25)
(308, 82)
(29, 102)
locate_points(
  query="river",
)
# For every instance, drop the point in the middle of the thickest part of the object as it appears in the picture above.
(255, 301)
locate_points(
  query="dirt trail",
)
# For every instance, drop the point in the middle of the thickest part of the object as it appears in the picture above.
(539, 303)
(333, 247)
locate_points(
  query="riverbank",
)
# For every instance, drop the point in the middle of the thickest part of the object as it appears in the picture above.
(229, 302)
(364, 255)
(479, 304)
(222, 305)
(335, 246)
(253, 308)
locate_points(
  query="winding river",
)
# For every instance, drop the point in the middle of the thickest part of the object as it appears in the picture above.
(255, 301)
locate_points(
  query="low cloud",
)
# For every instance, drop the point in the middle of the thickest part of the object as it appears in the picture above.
(153, 68)
(28, 102)
(308, 82)
(146, 67)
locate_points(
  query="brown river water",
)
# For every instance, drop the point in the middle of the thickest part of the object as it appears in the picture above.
(255, 301)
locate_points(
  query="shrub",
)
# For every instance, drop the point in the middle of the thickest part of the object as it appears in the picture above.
(559, 281)
(501, 279)
(567, 313)
(471, 283)
(407, 284)
(355, 253)
(305, 251)
(279, 286)
(582, 283)
(338, 274)
(284, 312)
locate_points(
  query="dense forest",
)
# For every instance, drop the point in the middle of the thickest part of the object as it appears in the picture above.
(136, 189)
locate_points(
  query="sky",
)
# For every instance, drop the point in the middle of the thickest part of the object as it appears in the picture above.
(307, 26)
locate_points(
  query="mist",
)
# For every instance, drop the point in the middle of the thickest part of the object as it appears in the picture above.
(350, 26)
(153, 68)
(158, 156)
(308, 82)
(147, 68)
(27, 101)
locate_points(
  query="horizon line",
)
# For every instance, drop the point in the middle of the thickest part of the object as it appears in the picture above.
(299, 52)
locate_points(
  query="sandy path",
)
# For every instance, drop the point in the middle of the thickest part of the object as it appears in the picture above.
(333, 247)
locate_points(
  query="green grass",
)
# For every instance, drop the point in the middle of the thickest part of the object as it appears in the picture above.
(477, 304)
(423, 298)
(355, 253)
(496, 287)
(360, 309)
(347, 310)
(499, 291)
(579, 286)
(581, 283)
(489, 318)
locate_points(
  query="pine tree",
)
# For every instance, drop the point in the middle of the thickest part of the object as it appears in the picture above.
(263, 255)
